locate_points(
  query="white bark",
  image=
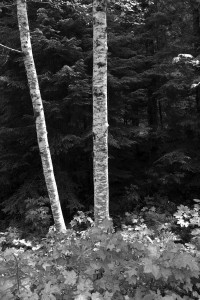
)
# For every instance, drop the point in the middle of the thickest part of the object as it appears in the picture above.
(100, 114)
(39, 115)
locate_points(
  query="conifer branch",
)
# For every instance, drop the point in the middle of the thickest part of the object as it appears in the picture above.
(7, 5)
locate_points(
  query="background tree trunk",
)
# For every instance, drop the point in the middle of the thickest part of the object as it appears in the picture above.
(195, 5)
(152, 110)
(100, 114)
(39, 115)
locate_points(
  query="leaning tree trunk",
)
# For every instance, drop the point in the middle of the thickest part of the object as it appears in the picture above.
(39, 115)
(100, 115)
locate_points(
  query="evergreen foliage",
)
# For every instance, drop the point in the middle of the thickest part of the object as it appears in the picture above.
(153, 105)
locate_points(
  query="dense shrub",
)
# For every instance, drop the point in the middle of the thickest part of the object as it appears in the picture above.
(136, 263)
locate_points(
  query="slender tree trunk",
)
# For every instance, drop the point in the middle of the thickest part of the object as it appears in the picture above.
(152, 113)
(135, 115)
(100, 114)
(195, 6)
(160, 113)
(198, 98)
(152, 108)
(39, 115)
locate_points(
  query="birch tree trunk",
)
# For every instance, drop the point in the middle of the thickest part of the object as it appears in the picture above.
(39, 115)
(100, 114)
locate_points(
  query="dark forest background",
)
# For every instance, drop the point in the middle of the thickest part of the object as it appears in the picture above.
(154, 106)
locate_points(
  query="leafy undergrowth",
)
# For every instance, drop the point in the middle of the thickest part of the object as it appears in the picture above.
(143, 261)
